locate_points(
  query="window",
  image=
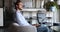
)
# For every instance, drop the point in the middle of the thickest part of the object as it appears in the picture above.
(33, 3)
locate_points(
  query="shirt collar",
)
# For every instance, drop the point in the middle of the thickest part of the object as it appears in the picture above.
(18, 10)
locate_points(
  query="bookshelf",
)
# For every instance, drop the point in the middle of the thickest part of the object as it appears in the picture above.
(31, 14)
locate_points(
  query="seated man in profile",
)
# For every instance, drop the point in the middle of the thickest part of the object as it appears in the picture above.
(19, 18)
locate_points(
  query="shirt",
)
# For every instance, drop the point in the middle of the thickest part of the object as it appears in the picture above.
(20, 19)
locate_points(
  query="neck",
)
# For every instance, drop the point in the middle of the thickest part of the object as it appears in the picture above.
(18, 9)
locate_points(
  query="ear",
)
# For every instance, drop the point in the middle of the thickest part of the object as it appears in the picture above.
(16, 5)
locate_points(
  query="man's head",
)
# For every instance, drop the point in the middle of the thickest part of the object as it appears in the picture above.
(19, 5)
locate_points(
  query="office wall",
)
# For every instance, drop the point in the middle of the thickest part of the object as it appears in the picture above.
(1, 3)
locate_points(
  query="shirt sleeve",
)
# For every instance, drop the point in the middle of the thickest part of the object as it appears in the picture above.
(20, 19)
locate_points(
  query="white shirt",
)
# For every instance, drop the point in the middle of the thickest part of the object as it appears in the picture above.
(20, 19)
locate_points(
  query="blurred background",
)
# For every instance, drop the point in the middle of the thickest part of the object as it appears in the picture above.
(35, 12)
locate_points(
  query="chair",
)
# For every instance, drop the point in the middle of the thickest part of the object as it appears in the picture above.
(16, 28)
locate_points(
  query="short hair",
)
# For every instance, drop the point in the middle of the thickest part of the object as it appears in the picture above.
(16, 3)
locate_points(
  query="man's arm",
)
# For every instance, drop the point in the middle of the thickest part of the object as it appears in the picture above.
(20, 19)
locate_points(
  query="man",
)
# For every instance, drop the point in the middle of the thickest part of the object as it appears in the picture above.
(20, 19)
(18, 16)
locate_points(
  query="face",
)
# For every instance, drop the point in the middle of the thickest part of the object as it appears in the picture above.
(20, 6)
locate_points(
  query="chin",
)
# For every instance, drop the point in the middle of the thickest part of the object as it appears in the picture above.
(20, 8)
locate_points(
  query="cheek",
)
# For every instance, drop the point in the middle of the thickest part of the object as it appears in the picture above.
(20, 6)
